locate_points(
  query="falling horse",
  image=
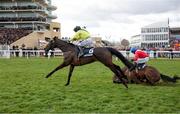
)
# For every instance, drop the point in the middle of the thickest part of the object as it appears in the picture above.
(102, 54)
(148, 75)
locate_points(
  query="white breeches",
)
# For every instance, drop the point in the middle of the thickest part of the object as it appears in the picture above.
(142, 60)
(85, 43)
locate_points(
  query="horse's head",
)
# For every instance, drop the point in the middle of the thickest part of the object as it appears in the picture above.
(50, 46)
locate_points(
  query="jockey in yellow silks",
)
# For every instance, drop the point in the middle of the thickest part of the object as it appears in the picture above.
(81, 34)
(82, 38)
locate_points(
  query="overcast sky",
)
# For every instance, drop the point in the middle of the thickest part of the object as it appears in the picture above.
(115, 19)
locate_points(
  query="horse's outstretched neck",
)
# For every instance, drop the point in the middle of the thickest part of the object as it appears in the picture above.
(168, 78)
(121, 57)
(65, 46)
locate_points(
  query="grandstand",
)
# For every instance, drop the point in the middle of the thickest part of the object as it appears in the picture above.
(155, 35)
(27, 22)
(175, 37)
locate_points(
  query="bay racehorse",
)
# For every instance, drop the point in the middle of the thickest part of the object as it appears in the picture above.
(101, 54)
(149, 75)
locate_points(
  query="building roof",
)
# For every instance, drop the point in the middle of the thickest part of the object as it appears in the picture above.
(175, 30)
(157, 25)
(138, 35)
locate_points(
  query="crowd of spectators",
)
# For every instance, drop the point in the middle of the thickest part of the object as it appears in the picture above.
(10, 35)
(25, 51)
(10, 19)
(156, 52)
(20, 7)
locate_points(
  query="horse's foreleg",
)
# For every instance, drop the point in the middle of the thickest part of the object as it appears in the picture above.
(57, 68)
(134, 78)
(70, 74)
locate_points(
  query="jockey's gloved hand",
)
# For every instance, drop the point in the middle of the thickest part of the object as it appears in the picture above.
(132, 60)
(69, 41)
(135, 64)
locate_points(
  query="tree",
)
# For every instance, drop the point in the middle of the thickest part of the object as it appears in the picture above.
(125, 43)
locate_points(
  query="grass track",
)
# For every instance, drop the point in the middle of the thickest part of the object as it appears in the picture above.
(23, 89)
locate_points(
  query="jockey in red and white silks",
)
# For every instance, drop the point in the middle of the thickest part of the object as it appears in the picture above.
(140, 56)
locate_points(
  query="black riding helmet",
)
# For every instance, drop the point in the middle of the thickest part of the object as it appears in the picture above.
(77, 28)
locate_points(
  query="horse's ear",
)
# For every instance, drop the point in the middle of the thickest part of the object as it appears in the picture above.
(55, 38)
(47, 39)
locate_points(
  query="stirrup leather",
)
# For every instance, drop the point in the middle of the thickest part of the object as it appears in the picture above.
(141, 66)
(80, 51)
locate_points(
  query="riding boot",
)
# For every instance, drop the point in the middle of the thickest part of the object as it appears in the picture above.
(80, 52)
(141, 65)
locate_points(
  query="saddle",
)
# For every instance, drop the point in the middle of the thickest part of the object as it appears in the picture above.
(140, 66)
(85, 52)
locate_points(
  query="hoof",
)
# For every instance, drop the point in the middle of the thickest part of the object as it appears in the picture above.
(47, 77)
(117, 82)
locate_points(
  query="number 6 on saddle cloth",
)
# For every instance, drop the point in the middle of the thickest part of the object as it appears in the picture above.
(85, 52)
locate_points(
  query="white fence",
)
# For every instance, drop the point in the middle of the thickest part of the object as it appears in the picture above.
(29, 53)
(156, 54)
(4, 51)
(41, 53)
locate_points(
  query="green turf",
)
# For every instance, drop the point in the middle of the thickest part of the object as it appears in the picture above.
(23, 89)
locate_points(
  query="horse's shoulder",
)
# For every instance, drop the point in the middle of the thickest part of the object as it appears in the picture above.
(67, 53)
(151, 69)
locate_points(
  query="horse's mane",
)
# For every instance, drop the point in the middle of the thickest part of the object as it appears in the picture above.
(67, 41)
(71, 44)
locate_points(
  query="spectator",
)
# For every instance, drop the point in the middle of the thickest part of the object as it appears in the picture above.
(127, 52)
(171, 54)
(154, 53)
(17, 51)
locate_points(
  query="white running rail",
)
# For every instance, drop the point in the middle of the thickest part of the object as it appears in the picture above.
(41, 53)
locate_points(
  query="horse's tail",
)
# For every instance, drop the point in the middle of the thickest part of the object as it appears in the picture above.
(169, 79)
(121, 57)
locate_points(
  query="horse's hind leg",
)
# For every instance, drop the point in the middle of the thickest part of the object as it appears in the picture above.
(135, 79)
(70, 74)
(118, 72)
(106, 59)
(130, 77)
(150, 80)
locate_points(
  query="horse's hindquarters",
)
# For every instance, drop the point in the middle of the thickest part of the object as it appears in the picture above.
(152, 74)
